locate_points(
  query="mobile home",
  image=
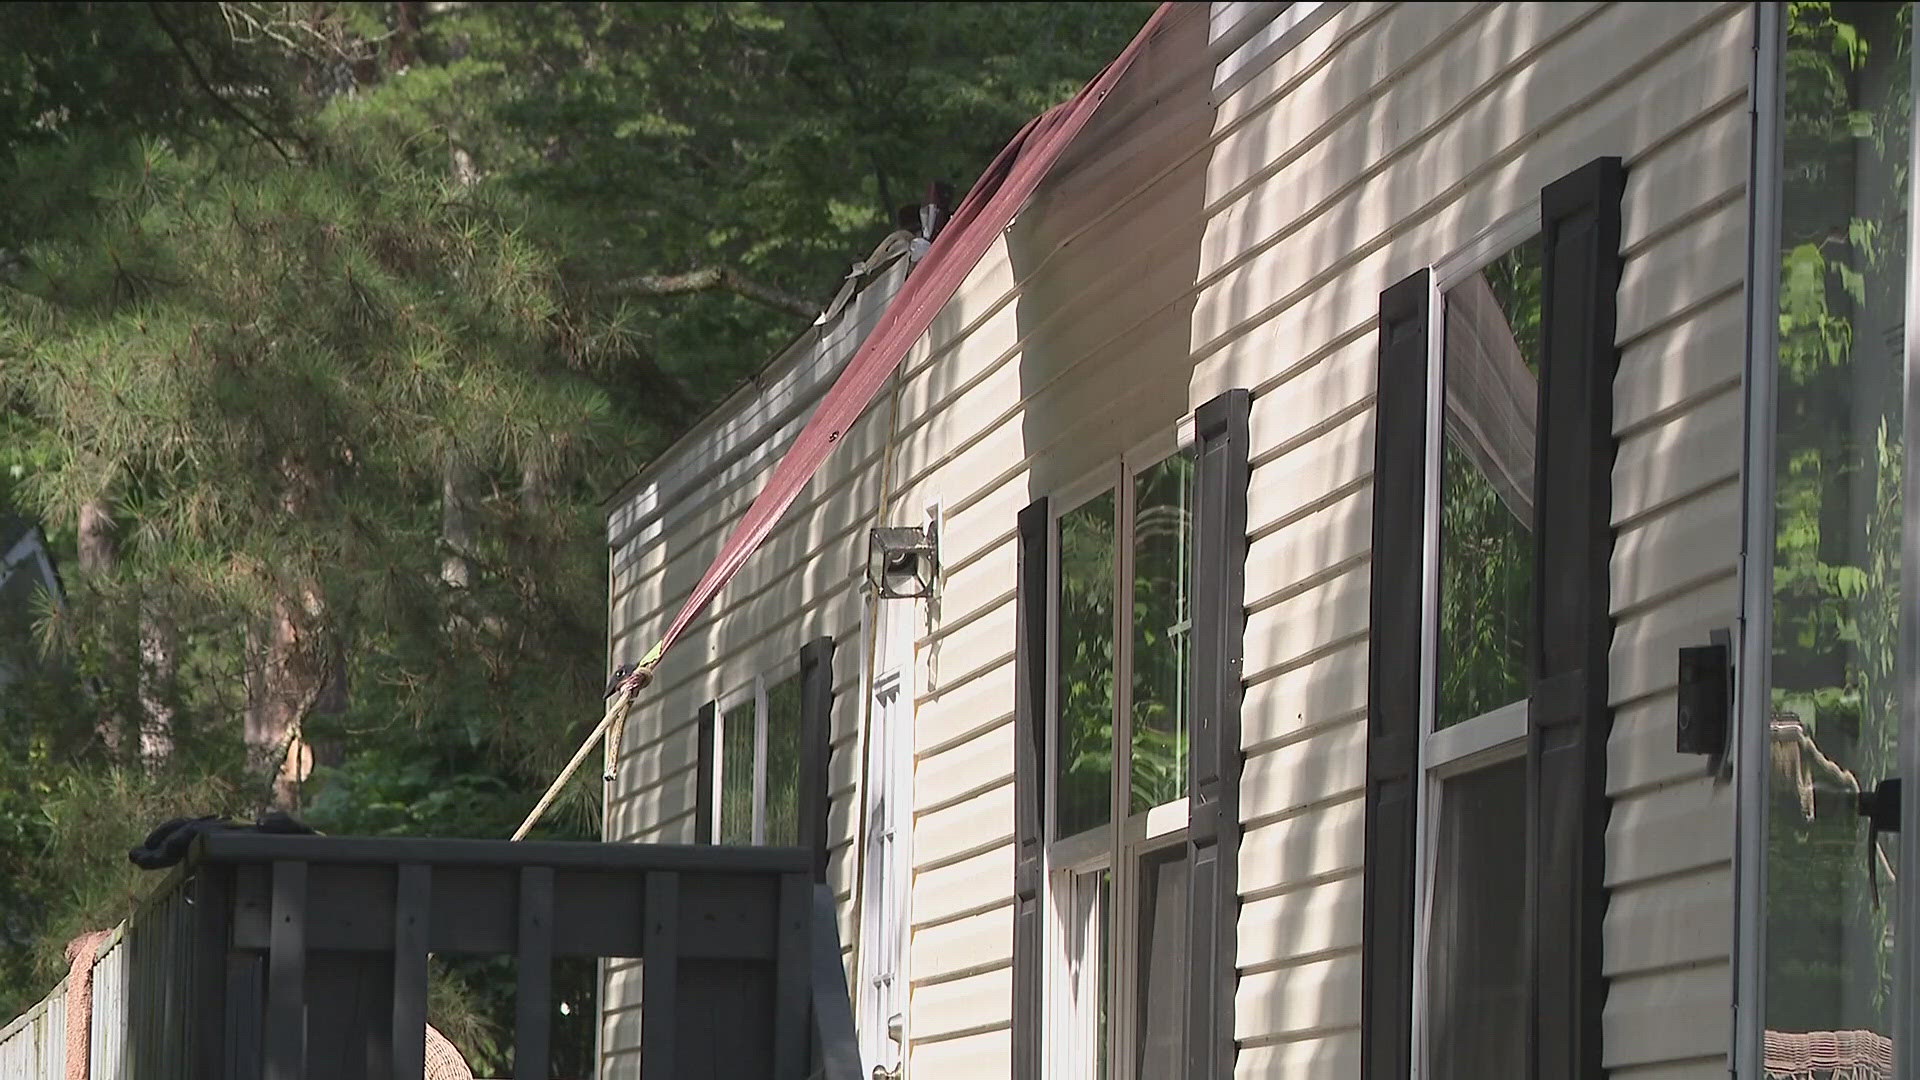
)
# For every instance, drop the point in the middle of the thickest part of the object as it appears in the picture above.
(1399, 565)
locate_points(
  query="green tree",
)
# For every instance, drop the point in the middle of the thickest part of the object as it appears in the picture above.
(324, 328)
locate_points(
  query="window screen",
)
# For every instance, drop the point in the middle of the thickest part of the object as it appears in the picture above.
(1161, 971)
(736, 774)
(1476, 956)
(783, 762)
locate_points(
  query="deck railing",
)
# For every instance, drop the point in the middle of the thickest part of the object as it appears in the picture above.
(267, 957)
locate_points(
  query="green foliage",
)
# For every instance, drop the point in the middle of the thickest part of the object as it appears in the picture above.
(1159, 545)
(773, 138)
(1486, 548)
(1162, 632)
(65, 857)
(284, 285)
(1086, 658)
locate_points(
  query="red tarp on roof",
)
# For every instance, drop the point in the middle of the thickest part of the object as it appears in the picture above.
(985, 213)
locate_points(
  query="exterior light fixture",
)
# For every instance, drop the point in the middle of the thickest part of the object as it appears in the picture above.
(902, 562)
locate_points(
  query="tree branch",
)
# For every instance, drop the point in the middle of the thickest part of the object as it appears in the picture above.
(722, 278)
(857, 90)
(206, 84)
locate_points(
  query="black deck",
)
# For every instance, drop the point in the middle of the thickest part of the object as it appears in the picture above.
(268, 957)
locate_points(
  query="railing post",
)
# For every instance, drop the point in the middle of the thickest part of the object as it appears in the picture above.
(791, 977)
(207, 1012)
(660, 975)
(533, 1000)
(837, 1047)
(412, 900)
(287, 974)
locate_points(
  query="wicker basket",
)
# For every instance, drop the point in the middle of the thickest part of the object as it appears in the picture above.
(443, 1059)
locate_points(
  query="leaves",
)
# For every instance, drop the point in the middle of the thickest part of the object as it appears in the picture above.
(281, 283)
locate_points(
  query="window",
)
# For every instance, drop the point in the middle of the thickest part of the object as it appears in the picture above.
(1470, 947)
(1489, 634)
(1835, 687)
(1122, 565)
(756, 743)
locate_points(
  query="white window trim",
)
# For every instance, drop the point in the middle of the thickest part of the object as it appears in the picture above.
(1498, 735)
(888, 654)
(1073, 863)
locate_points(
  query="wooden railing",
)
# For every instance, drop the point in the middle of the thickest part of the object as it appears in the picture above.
(267, 957)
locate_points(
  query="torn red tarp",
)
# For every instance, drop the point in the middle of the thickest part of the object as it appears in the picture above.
(986, 212)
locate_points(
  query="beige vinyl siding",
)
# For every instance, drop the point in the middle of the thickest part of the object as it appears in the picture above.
(1387, 140)
(1192, 243)
(800, 586)
(1009, 381)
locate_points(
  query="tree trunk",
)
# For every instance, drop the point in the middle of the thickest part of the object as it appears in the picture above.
(297, 669)
(457, 481)
(99, 548)
(99, 559)
(159, 671)
(299, 673)
(535, 488)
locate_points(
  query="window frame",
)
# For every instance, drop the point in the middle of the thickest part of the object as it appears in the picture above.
(1753, 634)
(1073, 864)
(1494, 737)
(754, 690)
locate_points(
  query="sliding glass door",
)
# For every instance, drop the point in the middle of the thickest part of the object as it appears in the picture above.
(1838, 689)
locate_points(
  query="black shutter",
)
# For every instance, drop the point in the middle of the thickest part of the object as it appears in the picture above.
(1219, 632)
(816, 747)
(1567, 717)
(1029, 787)
(1393, 680)
(704, 827)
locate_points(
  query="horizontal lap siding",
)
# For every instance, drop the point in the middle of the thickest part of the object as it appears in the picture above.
(1189, 249)
(799, 585)
(1385, 141)
(1096, 364)
(1669, 930)
(1006, 378)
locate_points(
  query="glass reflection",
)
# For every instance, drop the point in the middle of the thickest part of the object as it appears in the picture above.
(1162, 630)
(783, 762)
(1839, 451)
(1083, 763)
(1090, 970)
(1486, 487)
(1160, 975)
